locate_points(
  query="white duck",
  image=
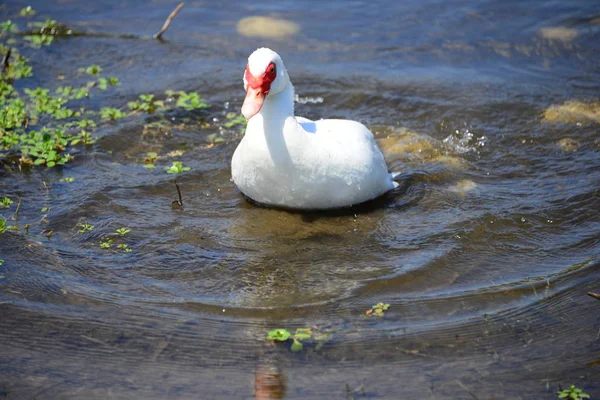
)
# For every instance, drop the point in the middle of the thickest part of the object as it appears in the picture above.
(293, 162)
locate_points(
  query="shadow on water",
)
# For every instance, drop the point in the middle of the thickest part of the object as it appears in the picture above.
(485, 251)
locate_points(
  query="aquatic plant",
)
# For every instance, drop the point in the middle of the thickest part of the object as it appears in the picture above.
(279, 335)
(283, 335)
(150, 159)
(8, 26)
(176, 168)
(146, 103)
(190, 101)
(124, 247)
(214, 138)
(84, 227)
(123, 231)
(104, 83)
(27, 12)
(106, 243)
(24, 111)
(5, 202)
(377, 310)
(93, 70)
(572, 393)
(111, 114)
(233, 119)
(44, 147)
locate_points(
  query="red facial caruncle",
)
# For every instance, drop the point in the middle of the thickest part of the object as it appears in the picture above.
(257, 88)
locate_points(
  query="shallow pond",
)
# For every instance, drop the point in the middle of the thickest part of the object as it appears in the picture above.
(485, 252)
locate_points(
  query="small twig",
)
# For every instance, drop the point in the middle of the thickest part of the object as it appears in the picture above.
(158, 35)
(178, 203)
(5, 60)
(94, 340)
(16, 214)
(162, 345)
(594, 295)
(459, 383)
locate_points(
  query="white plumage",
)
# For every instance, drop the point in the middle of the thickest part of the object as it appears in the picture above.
(293, 162)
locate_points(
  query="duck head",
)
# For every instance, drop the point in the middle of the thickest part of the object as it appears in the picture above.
(265, 76)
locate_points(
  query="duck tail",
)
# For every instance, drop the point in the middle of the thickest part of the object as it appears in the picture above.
(395, 176)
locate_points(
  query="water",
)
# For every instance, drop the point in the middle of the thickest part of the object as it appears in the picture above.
(485, 252)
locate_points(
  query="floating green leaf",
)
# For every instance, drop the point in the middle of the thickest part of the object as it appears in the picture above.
(93, 70)
(296, 346)
(280, 335)
(146, 103)
(5, 202)
(176, 168)
(27, 11)
(123, 231)
(190, 101)
(83, 227)
(150, 159)
(232, 119)
(111, 114)
(215, 138)
(378, 309)
(8, 26)
(303, 333)
(572, 393)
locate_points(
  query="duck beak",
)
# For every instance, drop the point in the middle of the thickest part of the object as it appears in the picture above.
(253, 102)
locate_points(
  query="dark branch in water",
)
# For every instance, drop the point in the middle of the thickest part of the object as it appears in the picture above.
(5, 62)
(594, 295)
(178, 203)
(158, 35)
(16, 214)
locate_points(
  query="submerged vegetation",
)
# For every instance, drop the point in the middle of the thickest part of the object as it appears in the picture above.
(46, 126)
(5, 202)
(283, 335)
(176, 168)
(40, 126)
(377, 310)
(84, 227)
(122, 231)
(572, 393)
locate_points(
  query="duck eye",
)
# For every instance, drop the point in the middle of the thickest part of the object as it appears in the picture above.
(272, 69)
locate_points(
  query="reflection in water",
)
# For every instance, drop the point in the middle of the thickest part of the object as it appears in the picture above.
(269, 381)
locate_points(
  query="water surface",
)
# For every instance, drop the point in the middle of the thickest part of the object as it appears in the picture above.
(485, 252)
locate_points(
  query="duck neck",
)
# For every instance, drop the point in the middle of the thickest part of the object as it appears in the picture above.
(275, 110)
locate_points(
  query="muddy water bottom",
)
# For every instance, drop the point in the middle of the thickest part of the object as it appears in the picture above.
(485, 252)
